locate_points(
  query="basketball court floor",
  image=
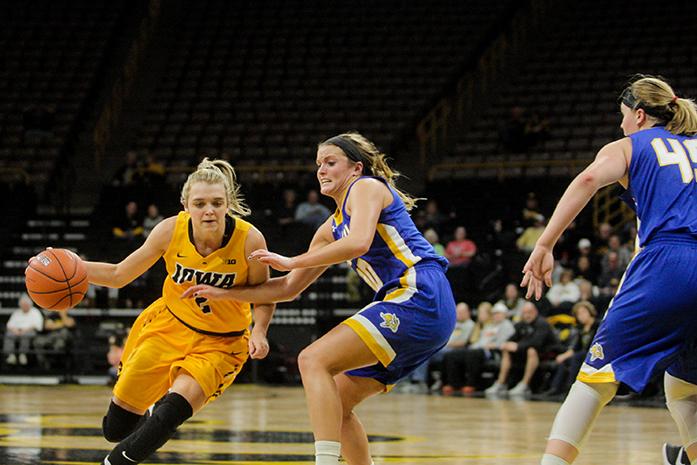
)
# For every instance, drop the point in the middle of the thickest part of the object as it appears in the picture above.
(60, 425)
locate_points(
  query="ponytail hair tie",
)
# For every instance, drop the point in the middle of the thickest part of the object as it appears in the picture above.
(674, 99)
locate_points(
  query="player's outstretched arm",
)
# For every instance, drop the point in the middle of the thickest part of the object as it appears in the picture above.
(282, 289)
(367, 197)
(138, 262)
(610, 165)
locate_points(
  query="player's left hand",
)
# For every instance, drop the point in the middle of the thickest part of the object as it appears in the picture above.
(538, 271)
(258, 345)
(274, 260)
(207, 292)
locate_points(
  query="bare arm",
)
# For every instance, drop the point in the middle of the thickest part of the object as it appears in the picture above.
(366, 200)
(258, 274)
(138, 262)
(281, 289)
(610, 165)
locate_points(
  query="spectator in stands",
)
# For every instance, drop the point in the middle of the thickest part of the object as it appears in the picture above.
(129, 227)
(285, 211)
(584, 270)
(432, 237)
(151, 219)
(526, 241)
(624, 255)
(590, 293)
(460, 250)
(532, 337)
(433, 217)
(462, 368)
(531, 212)
(113, 356)
(458, 339)
(312, 212)
(563, 294)
(512, 132)
(611, 274)
(127, 174)
(499, 238)
(513, 301)
(570, 361)
(602, 236)
(22, 326)
(55, 335)
(38, 121)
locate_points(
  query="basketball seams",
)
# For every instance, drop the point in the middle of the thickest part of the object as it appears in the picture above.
(45, 274)
(67, 280)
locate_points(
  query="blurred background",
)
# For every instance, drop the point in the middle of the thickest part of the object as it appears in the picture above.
(488, 108)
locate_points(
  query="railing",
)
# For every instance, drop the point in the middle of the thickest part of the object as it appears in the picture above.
(503, 167)
(14, 173)
(608, 208)
(434, 130)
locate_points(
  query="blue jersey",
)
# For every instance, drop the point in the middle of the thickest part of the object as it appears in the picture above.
(396, 247)
(412, 314)
(648, 327)
(662, 181)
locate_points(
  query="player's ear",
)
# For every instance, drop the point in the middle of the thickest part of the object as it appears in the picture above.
(186, 209)
(640, 116)
(358, 166)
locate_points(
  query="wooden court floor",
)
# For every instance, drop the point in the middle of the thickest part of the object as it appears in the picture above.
(262, 425)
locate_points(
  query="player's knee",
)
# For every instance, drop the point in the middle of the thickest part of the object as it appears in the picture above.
(604, 392)
(173, 411)
(681, 400)
(532, 352)
(308, 360)
(118, 423)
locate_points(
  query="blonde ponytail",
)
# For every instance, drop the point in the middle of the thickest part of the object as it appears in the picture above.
(658, 100)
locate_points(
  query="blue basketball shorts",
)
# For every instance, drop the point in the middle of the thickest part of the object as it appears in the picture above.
(408, 322)
(650, 324)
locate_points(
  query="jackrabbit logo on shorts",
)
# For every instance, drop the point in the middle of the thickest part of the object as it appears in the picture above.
(389, 321)
(596, 352)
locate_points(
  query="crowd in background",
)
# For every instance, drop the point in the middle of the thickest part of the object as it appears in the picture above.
(502, 344)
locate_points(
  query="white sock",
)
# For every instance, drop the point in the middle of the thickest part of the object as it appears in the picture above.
(549, 459)
(327, 452)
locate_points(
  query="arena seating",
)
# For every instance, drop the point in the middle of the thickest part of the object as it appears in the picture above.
(52, 51)
(266, 84)
(571, 75)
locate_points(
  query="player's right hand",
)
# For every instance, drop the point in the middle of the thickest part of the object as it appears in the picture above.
(205, 291)
(538, 272)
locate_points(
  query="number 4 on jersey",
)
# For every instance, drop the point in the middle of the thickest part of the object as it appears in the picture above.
(677, 156)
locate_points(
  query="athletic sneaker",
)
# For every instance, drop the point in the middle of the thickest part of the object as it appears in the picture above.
(496, 389)
(520, 390)
(674, 455)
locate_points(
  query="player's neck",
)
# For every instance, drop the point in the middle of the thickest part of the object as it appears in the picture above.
(208, 243)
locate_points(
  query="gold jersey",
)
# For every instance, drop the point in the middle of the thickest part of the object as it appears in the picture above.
(223, 268)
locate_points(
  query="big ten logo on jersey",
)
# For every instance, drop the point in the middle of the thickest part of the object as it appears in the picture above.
(222, 280)
(683, 154)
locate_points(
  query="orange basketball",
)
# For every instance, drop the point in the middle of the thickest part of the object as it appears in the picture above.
(56, 279)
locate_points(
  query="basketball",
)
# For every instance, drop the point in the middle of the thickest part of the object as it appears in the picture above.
(56, 279)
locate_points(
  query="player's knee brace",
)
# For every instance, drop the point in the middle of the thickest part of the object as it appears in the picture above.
(155, 432)
(118, 423)
(681, 400)
(579, 411)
